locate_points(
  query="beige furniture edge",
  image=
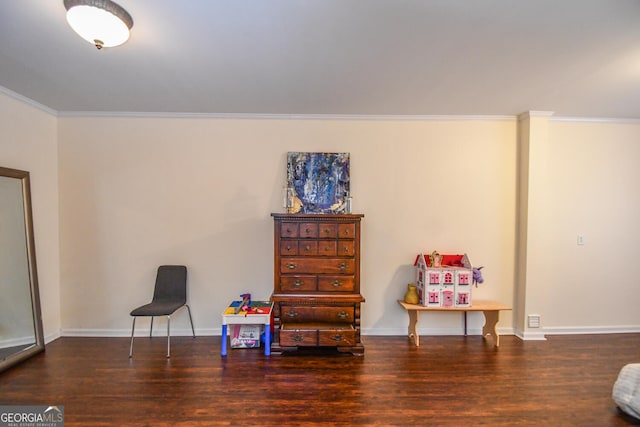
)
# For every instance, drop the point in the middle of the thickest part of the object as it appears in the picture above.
(491, 310)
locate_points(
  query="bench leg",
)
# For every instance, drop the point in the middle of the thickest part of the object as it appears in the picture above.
(491, 320)
(413, 330)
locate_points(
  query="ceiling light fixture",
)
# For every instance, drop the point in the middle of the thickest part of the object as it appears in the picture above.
(102, 23)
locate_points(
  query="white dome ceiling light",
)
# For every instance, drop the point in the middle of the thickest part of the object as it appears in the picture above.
(102, 23)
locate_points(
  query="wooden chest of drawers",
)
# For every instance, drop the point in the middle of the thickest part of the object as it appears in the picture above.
(316, 290)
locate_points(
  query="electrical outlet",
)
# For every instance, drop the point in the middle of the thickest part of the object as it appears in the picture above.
(580, 239)
(534, 320)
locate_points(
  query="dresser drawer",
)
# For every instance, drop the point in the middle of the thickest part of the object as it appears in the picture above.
(308, 230)
(292, 265)
(336, 335)
(347, 231)
(289, 230)
(308, 247)
(306, 313)
(289, 247)
(336, 283)
(305, 230)
(327, 231)
(327, 247)
(297, 283)
(302, 335)
(311, 247)
(345, 248)
(316, 334)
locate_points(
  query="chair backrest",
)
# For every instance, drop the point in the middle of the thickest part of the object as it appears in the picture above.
(171, 284)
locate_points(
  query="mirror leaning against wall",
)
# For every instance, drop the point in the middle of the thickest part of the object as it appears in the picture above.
(21, 333)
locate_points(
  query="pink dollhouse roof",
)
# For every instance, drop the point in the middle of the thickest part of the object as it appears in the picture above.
(447, 260)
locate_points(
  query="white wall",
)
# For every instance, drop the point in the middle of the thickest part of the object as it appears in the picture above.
(594, 175)
(139, 192)
(582, 180)
(28, 141)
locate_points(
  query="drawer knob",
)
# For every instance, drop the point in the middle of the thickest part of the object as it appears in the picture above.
(343, 315)
(307, 248)
(292, 314)
(337, 338)
(298, 338)
(343, 266)
(298, 283)
(291, 266)
(336, 283)
(288, 247)
(345, 249)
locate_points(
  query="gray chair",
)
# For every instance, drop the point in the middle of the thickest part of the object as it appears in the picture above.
(169, 295)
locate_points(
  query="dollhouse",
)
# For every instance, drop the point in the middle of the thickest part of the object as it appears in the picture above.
(443, 280)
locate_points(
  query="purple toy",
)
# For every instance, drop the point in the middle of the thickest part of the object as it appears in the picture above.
(246, 302)
(477, 276)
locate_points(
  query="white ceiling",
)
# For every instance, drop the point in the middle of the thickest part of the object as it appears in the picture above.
(577, 58)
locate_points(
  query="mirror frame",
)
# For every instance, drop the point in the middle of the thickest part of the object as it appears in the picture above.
(38, 347)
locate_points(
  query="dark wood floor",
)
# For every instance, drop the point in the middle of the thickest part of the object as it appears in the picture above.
(564, 381)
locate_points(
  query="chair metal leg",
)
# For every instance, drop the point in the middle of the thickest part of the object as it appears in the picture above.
(168, 337)
(193, 331)
(133, 328)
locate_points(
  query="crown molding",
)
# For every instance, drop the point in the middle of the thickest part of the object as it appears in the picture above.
(352, 117)
(612, 120)
(27, 101)
(258, 116)
(551, 118)
(529, 114)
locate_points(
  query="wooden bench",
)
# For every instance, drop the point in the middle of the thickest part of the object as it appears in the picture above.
(491, 310)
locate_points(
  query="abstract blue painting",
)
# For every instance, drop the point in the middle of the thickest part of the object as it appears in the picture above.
(318, 182)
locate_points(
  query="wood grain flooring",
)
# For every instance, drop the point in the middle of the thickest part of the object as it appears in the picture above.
(452, 380)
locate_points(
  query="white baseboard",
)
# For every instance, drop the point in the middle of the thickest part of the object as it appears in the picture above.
(19, 341)
(530, 336)
(51, 337)
(27, 340)
(582, 330)
(576, 330)
(162, 332)
(524, 335)
(157, 332)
